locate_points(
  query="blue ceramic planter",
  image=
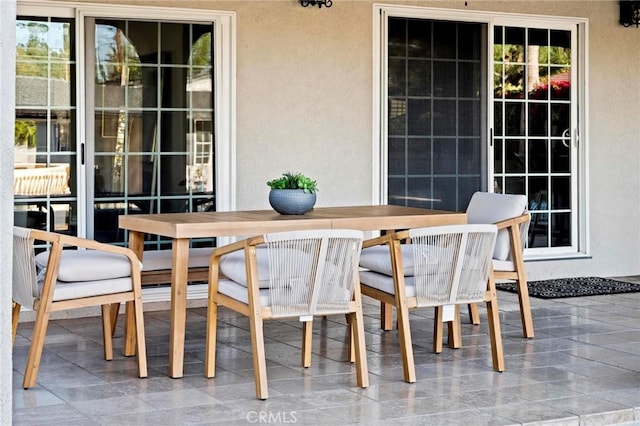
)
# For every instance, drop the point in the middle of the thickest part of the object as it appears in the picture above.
(291, 201)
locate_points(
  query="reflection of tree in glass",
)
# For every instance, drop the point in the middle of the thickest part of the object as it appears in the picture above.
(538, 72)
(201, 51)
(34, 54)
(25, 133)
(117, 59)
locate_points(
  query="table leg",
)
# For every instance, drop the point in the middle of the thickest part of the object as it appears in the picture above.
(386, 316)
(386, 309)
(136, 243)
(179, 272)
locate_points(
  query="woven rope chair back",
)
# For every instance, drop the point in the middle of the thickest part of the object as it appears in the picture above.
(313, 272)
(452, 263)
(25, 274)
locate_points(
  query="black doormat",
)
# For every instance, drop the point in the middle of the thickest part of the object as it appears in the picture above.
(572, 287)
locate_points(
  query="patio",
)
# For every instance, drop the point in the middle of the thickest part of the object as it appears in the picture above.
(582, 368)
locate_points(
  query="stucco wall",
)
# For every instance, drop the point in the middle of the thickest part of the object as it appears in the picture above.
(304, 102)
(614, 143)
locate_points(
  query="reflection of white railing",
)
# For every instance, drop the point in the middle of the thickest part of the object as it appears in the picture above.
(38, 179)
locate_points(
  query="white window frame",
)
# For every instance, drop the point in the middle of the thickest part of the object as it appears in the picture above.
(381, 13)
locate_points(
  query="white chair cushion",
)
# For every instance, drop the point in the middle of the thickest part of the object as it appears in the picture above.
(383, 282)
(159, 260)
(232, 265)
(88, 265)
(76, 290)
(486, 207)
(378, 259)
(239, 292)
(503, 265)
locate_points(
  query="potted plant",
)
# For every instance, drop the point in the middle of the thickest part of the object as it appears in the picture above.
(292, 193)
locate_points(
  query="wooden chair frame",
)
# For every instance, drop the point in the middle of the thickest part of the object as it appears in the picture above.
(45, 305)
(258, 314)
(403, 303)
(518, 274)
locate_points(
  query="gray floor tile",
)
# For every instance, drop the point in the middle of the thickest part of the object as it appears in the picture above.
(582, 368)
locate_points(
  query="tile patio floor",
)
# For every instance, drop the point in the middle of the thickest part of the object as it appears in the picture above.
(582, 368)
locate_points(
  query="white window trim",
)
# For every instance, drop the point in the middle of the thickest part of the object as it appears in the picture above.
(379, 142)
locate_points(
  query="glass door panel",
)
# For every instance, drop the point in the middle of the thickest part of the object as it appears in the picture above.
(45, 172)
(533, 149)
(153, 121)
(436, 118)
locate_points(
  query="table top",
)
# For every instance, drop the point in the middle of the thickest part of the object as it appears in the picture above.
(255, 222)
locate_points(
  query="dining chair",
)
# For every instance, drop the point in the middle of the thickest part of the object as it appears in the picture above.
(288, 275)
(509, 213)
(58, 278)
(441, 267)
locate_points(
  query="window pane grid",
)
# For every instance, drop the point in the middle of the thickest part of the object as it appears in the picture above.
(532, 127)
(45, 195)
(434, 113)
(154, 120)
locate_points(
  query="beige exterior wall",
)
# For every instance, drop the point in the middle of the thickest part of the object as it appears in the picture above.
(304, 103)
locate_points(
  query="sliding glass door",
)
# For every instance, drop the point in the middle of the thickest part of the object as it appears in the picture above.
(128, 125)
(473, 102)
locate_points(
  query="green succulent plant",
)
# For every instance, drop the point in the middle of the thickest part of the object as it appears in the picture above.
(291, 180)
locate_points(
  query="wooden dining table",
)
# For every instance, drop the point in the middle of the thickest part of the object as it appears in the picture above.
(182, 227)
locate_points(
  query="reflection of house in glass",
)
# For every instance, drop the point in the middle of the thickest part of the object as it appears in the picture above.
(44, 163)
(32, 106)
(200, 139)
(32, 179)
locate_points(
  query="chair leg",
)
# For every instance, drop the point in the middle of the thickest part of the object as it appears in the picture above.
(140, 338)
(259, 357)
(495, 335)
(115, 308)
(386, 316)
(474, 315)
(406, 347)
(437, 329)
(106, 332)
(307, 334)
(357, 331)
(351, 331)
(15, 316)
(35, 351)
(211, 339)
(454, 330)
(525, 306)
(497, 353)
